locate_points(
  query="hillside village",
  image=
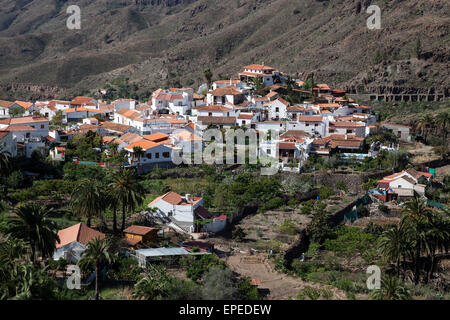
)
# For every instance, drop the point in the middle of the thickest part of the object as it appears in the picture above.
(336, 164)
(327, 122)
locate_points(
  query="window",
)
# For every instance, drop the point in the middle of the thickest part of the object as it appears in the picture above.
(269, 151)
(149, 155)
(243, 122)
(277, 109)
(349, 131)
(42, 126)
(166, 154)
(157, 155)
(210, 114)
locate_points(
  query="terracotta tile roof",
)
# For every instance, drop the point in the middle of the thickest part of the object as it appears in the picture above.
(24, 104)
(81, 99)
(345, 143)
(130, 114)
(140, 230)
(339, 137)
(259, 67)
(346, 124)
(217, 120)
(418, 174)
(323, 86)
(23, 120)
(82, 109)
(187, 136)
(296, 108)
(106, 108)
(19, 128)
(295, 134)
(130, 137)
(328, 105)
(234, 81)
(6, 104)
(144, 144)
(272, 94)
(114, 126)
(108, 139)
(169, 96)
(286, 145)
(245, 116)
(220, 92)
(214, 108)
(170, 197)
(85, 128)
(310, 119)
(175, 199)
(79, 233)
(156, 137)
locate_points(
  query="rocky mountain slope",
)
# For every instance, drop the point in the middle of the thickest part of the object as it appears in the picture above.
(171, 42)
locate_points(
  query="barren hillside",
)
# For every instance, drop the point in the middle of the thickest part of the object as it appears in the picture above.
(170, 42)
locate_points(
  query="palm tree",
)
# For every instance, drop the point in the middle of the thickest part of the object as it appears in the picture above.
(208, 76)
(128, 190)
(391, 289)
(113, 147)
(153, 285)
(33, 225)
(416, 219)
(443, 123)
(425, 123)
(438, 239)
(137, 152)
(393, 245)
(97, 252)
(5, 162)
(88, 199)
(416, 209)
(113, 203)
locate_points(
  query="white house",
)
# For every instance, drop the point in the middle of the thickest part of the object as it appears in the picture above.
(78, 113)
(229, 83)
(277, 109)
(73, 242)
(40, 124)
(266, 74)
(8, 144)
(313, 125)
(214, 111)
(177, 102)
(357, 129)
(152, 152)
(128, 104)
(230, 95)
(185, 211)
(7, 108)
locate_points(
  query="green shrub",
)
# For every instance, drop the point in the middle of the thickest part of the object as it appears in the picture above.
(326, 192)
(288, 227)
(273, 203)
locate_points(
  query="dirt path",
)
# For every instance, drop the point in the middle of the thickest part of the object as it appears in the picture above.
(280, 286)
